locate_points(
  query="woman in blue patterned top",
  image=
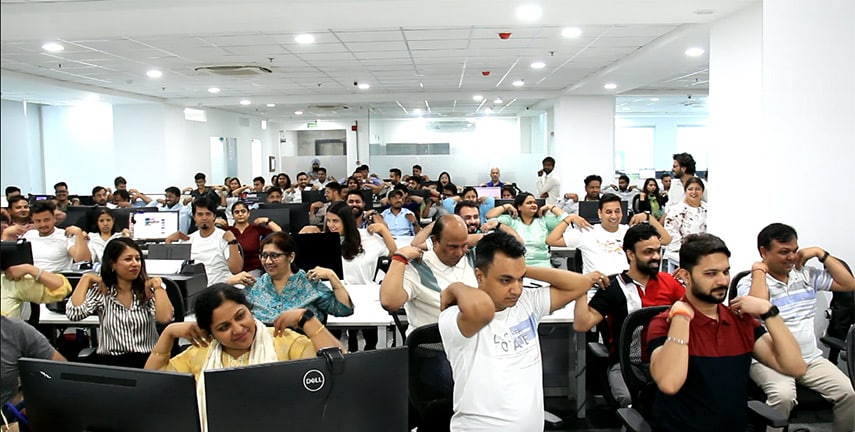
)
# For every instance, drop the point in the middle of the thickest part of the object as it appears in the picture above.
(283, 287)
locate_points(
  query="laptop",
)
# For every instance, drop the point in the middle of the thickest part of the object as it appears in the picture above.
(153, 226)
(122, 216)
(253, 398)
(319, 250)
(254, 197)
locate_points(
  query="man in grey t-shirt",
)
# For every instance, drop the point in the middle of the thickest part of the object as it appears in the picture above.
(18, 339)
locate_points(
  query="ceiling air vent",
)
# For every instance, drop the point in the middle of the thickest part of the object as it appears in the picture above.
(328, 110)
(234, 70)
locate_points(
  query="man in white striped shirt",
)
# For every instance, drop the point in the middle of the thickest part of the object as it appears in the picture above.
(783, 279)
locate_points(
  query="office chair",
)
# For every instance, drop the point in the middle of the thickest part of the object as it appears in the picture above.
(841, 317)
(635, 367)
(399, 316)
(431, 381)
(850, 354)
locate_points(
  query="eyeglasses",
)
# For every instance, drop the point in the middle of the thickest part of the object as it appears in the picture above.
(272, 255)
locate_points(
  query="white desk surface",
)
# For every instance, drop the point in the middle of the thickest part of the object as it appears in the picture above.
(402, 241)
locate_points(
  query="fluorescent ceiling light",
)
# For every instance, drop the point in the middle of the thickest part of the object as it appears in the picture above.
(154, 73)
(213, 90)
(518, 83)
(417, 111)
(694, 52)
(477, 98)
(654, 99)
(245, 102)
(304, 38)
(271, 105)
(488, 110)
(364, 86)
(538, 65)
(571, 32)
(610, 86)
(298, 112)
(52, 47)
(529, 12)
(497, 101)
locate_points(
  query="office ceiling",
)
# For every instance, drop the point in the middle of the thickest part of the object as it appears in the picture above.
(427, 55)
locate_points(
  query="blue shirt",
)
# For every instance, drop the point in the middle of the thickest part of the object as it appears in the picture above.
(398, 225)
(299, 292)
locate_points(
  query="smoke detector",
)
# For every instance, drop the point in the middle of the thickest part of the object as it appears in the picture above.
(234, 70)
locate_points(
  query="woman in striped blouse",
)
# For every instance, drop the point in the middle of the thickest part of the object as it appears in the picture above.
(127, 303)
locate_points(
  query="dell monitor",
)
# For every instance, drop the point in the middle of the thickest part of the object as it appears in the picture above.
(319, 250)
(153, 226)
(122, 216)
(75, 397)
(324, 396)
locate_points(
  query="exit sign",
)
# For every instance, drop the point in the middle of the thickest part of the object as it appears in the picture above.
(312, 124)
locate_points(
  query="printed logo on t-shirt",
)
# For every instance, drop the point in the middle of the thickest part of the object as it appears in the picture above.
(519, 337)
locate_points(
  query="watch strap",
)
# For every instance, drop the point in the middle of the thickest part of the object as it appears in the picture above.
(773, 311)
(307, 315)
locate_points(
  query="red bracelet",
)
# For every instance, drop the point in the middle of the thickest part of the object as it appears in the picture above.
(400, 258)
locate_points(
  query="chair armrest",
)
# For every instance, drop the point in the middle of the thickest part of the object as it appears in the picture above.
(834, 343)
(86, 353)
(632, 420)
(769, 416)
(598, 350)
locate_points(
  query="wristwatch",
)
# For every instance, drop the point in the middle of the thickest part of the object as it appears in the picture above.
(307, 315)
(773, 311)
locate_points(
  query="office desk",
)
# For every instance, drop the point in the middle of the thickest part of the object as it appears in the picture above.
(577, 364)
(367, 312)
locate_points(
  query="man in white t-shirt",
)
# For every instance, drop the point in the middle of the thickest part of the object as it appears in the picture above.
(414, 281)
(55, 249)
(602, 245)
(218, 250)
(490, 336)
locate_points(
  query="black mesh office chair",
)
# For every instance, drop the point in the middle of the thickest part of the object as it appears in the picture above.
(431, 381)
(850, 354)
(635, 367)
(399, 316)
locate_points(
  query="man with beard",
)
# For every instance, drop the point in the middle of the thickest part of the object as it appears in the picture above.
(19, 218)
(641, 286)
(318, 210)
(363, 217)
(217, 249)
(55, 249)
(684, 169)
(171, 201)
(783, 279)
(548, 182)
(701, 350)
(601, 244)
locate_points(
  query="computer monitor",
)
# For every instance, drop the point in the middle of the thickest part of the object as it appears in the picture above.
(500, 202)
(77, 216)
(75, 397)
(282, 216)
(298, 213)
(495, 192)
(254, 197)
(14, 253)
(589, 210)
(173, 251)
(321, 249)
(153, 226)
(122, 216)
(324, 400)
(86, 200)
(35, 198)
(310, 196)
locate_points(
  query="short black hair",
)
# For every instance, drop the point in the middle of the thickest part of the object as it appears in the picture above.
(467, 189)
(395, 171)
(499, 241)
(607, 198)
(470, 204)
(624, 177)
(42, 206)
(417, 166)
(119, 180)
(593, 177)
(396, 192)
(97, 189)
(321, 169)
(694, 180)
(123, 194)
(777, 231)
(336, 186)
(258, 179)
(548, 159)
(199, 176)
(15, 199)
(173, 190)
(510, 189)
(12, 189)
(696, 246)
(638, 233)
(666, 175)
(206, 203)
(686, 161)
(60, 184)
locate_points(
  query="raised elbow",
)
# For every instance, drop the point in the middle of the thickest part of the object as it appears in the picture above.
(669, 387)
(581, 327)
(391, 302)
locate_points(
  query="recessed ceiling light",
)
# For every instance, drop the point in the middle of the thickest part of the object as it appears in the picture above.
(52, 47)
(477, 98)
(538, 65)
(571, 32)
(245, 102)
(529, 12)
(694, 52)
(271, 105)
(214, 90)
(364, 86)
(488, 110)
(497, 101)
(417, 111)
(298, 112)
(304, 38)
(654, 99)
(154, 73)
(518, 83)
(610, 86)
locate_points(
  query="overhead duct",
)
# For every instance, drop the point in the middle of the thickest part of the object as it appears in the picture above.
(234, 70)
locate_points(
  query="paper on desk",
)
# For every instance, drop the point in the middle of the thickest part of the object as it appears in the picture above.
(163, 266)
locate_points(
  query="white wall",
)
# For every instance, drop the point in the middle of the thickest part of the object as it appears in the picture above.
(665, 137)
(21, 161)
(584, 140)
(78, 146)
(781, 125)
